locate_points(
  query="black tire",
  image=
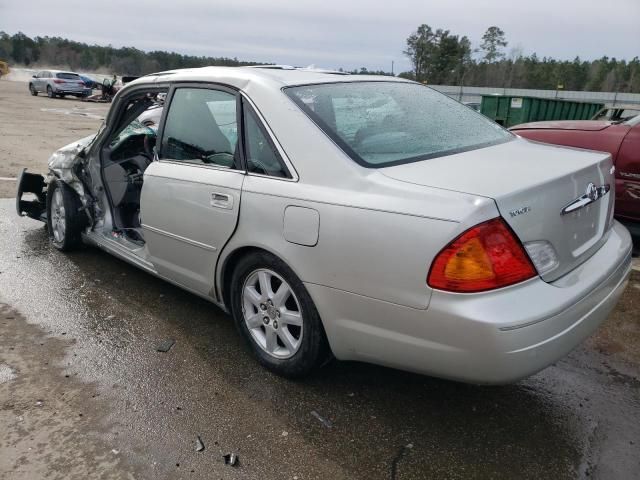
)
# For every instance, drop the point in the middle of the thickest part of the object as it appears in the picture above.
(74, 217)
(313, 351)
(50, 93)
(33, 90)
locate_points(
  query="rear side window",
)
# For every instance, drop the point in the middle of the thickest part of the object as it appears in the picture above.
(201, 128)
(261, 155)
(380, 124)
(68, 76)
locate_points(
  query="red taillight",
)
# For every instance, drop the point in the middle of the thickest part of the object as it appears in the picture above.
(58, 81)
(484, 257)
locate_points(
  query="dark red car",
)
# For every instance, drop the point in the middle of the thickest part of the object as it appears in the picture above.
(621, 139)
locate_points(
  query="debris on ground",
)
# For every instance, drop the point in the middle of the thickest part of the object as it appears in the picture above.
(325, 421)
(230, 459)
(394, 462)
(199, 444)
(166, 345)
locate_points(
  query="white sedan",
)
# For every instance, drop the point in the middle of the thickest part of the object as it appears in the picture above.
(357, 217)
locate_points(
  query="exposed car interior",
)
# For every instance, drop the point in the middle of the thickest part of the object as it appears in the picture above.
(125, 157)
(201, 128)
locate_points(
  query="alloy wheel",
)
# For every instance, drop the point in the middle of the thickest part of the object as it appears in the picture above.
(58, 216)
(272, 313)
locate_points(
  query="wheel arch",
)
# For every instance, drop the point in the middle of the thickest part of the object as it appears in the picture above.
(228, 262)
(230, 259)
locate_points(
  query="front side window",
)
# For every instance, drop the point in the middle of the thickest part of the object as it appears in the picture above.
(201, 128)
(380, 124)
(261, 155)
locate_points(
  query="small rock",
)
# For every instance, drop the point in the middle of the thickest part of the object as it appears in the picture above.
(285, 434)
(165, 345)
(199, 444)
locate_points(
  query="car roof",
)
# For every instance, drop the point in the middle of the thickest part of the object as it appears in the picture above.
(276, 76)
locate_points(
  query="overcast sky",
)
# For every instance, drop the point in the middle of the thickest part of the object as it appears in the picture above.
(330, 33)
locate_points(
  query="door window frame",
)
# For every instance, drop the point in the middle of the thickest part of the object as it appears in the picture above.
(205, 86)
(248, 105)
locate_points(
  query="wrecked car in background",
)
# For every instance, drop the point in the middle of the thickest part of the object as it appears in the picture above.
(620, 138)
(330, 216)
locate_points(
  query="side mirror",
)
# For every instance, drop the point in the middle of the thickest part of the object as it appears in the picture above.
(34, 76)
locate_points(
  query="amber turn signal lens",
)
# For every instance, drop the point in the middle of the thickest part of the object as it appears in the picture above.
(485, 257)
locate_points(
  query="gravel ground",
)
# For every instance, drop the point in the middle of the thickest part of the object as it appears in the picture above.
(32, 128)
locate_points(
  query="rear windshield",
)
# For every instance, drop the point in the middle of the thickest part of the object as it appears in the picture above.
(68, 76)
(379, 124)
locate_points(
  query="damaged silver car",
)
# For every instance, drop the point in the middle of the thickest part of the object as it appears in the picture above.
(366, 218)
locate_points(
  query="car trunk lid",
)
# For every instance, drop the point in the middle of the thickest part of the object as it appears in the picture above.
(532, 185)
(68, 82)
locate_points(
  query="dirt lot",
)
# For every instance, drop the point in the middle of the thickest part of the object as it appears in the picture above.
(85, 393)
(32, 128)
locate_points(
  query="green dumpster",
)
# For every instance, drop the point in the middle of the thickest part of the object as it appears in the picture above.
(508, 110)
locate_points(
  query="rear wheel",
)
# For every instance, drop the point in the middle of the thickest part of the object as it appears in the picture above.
(275, 314)
(50, 93)
(33, 90)
(65, 219)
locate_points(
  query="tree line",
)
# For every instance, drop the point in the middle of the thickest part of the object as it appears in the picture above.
(439, 57)
(60, 52)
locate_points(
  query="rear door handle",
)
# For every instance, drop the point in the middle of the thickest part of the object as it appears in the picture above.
(221, 200)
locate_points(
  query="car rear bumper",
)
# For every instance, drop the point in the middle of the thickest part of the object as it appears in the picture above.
(80, 91)
(492, 337)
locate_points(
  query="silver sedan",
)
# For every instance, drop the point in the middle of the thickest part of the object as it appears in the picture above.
(58, 84)
(347, 216)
